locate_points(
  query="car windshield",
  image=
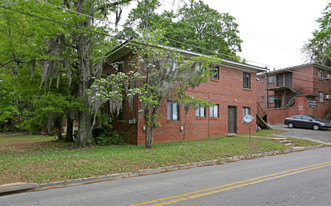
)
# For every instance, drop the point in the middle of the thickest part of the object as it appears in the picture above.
(315, 118)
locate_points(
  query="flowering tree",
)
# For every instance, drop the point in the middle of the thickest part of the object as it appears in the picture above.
(165, 74)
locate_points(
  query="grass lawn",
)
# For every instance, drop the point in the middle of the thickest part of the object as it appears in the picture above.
(36, 158)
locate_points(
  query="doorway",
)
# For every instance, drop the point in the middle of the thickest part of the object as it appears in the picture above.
(232, 120)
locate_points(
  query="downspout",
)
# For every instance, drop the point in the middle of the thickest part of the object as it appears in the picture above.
(267, 85)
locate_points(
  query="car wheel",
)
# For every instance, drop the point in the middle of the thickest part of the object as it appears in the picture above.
(316, 127)
(290, 125)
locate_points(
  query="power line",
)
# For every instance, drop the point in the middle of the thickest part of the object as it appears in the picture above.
(58, 22)
(226, 55)
(105, 34)
(75, 12)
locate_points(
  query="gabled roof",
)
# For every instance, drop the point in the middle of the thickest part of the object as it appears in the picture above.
(124, 49)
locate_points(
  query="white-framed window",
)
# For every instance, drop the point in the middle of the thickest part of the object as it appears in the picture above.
(320, 96)
(320, 74)
(262, 79)
(213, 111)
(246, 80)
(271, 99)
(246, 111)
(200, 112)
(214, 73)
(172, 110)
(272, 79)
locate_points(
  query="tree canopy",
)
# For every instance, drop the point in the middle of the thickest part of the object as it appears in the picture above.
(56, 41)
(318, 49)
(195, 27)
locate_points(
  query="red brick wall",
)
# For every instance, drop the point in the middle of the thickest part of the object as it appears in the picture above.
(306, 80)
(228, 91)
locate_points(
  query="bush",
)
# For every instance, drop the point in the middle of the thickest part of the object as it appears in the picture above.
(109, 138)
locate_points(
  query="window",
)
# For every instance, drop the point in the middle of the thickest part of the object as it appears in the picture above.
(246, 111)
(279, 80)
(121, 65)
(320, 74)
(214, 73)
(121, 113)
(200, 112)
(272, 79)
(271, 99)
(262, 99)
(262, 79)
(320, 96)
(213, 111)
(247, 80)
(172, 110)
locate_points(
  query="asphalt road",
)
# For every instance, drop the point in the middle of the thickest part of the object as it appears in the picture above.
(298, 178)
(322, 136)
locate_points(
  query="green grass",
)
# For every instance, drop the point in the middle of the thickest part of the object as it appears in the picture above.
(267, 132)
(302, 142)
(41, 159)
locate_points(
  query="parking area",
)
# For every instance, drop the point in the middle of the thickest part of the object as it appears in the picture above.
(323, 136)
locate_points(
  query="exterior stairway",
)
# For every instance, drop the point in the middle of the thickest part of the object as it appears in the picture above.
(290, 103)
(261, 123)
(296, 91)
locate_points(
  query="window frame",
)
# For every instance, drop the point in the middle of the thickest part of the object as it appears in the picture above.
(320, 96)
(215, 73)
(212, 111)
(121, 112)
(271, 79)
(200, 112)
(320, 74)
(246, 80)
(173, 116)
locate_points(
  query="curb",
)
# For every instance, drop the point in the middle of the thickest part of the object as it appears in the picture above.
(23, 187)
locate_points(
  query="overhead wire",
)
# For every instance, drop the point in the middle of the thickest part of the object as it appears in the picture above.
(217, 53)
(64, 9)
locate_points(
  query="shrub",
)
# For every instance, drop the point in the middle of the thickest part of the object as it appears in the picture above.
(109, 138)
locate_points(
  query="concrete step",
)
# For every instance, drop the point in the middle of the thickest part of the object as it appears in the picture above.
(289, 144)
(285, 141)
(279, 138)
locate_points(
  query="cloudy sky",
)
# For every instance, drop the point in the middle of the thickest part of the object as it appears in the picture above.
(273, 31)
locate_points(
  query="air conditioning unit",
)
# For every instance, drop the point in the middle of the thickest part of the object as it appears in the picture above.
(328, 76)
(133, 121)
(328, 96)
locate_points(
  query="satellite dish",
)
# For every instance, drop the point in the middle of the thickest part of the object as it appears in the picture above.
(248, 118)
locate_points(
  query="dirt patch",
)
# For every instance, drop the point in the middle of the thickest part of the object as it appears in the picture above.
(25, 146)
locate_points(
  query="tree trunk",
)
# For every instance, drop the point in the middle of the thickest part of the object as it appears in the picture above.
(84, 78)
(70, 127)
(150, 119)
(148, 137)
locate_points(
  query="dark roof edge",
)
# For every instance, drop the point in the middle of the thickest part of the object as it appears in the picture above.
(225, 61)
(301, 66)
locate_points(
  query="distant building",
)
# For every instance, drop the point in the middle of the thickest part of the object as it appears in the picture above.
(302, 89)
(232, 89)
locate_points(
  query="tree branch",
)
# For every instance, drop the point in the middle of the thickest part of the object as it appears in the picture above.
(109, 5)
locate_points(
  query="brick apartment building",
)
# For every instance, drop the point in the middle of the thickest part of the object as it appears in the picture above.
(232, 89)
(302, 89)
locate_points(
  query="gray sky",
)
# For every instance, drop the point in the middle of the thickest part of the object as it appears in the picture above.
(273, 31)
